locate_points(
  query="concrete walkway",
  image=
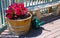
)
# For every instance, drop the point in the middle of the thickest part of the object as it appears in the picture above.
(49, 30)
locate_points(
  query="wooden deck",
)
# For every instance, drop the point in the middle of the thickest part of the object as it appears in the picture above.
(52, 30)
(49, 30)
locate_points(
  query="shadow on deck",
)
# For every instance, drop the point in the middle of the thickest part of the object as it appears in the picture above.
(34, 33)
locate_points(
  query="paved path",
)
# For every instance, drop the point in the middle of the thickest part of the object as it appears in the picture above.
(49, 30)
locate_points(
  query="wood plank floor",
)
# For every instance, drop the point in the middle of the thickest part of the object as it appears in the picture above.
(49, 30)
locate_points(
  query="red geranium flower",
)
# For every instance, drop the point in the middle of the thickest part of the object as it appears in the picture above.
(24, 10)
(15, 16)
(21, 5)
(9, 11)
(16, 9)
(9, 16)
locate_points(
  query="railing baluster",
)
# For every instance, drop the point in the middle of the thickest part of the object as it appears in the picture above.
(2, 11)
(36, 2)
(30, 2)
(7, 3)
(33, 2)
(26, 3)
(10, 2)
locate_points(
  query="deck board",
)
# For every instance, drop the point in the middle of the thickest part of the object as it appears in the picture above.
(52, 30)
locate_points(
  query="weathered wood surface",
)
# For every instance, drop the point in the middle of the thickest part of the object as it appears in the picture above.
(52, 30)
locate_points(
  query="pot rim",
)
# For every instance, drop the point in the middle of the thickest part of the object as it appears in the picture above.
(21, 19)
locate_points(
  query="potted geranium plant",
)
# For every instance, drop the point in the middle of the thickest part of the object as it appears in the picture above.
(18, 19)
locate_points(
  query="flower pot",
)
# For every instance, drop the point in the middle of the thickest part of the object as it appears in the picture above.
(19, 27)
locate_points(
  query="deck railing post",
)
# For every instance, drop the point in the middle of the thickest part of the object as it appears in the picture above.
(49, 9)
(58, 10)
(38, 13)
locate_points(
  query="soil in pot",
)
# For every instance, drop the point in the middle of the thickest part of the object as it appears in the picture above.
(22, 16)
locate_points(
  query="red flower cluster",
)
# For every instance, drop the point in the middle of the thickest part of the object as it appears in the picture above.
(15, 10)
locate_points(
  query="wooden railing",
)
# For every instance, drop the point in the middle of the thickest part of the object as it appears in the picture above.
(49, 7)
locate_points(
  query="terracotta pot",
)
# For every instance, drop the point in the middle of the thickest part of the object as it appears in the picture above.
(19, 27)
